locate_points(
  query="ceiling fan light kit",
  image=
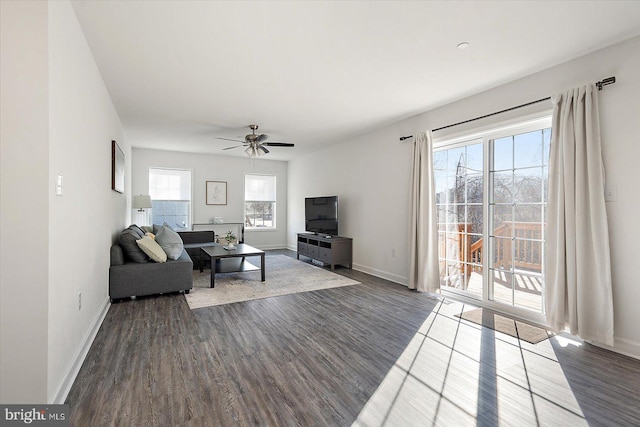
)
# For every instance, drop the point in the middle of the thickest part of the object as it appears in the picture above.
(255, 150)
(256, 143)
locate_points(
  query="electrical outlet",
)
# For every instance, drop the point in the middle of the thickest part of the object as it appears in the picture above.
(79, 301)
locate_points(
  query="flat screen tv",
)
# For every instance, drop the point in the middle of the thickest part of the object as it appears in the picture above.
(321, 215)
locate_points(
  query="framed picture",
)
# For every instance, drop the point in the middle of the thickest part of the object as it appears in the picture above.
(216, 193)
(117, 168)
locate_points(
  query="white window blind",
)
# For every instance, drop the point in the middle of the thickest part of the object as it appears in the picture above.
(259, 188)
(169, 184)
(170, 191)
(260, 201)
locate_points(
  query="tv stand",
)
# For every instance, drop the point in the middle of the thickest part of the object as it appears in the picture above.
(330, 250)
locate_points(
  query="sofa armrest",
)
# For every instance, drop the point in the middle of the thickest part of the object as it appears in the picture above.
(117, 257)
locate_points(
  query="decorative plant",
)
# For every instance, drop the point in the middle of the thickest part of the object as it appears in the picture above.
(229, 237)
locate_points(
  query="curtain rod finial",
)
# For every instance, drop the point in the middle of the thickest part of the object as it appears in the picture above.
(604, 82)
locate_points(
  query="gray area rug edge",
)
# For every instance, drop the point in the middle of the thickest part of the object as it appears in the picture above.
(284, 276)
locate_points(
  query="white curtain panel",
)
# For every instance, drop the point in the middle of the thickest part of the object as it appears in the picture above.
(423, 275)
(577, 258)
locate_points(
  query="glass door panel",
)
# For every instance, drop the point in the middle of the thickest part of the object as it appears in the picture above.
(518, 173)
(459, 181)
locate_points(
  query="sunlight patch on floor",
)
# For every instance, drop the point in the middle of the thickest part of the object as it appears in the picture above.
(564, 341)
(455, 372)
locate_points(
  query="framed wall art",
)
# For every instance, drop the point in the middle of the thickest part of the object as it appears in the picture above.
(117, 168)
(216, 193)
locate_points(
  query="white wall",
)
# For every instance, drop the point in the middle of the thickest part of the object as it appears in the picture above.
(205, 167)
(57, 118)
(371, 178)
(371, 172)
(24, 203)
(85, 220)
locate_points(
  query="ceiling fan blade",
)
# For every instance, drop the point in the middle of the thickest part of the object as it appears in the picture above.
(279, 144)
(264, 150)
(235, 146)
(262, 137)
(227, 139)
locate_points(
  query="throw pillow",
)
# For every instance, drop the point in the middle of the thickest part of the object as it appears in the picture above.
(127, 241)
(137, 230)
(151, 248)
(157, 227)
(170, 242)
(153, 236)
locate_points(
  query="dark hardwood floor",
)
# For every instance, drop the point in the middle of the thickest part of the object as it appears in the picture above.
(312, 358)
(317, 358)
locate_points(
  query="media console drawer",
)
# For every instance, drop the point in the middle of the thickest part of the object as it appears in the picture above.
(302, 248)
(324, 255)
(312, 251)
(330, 250)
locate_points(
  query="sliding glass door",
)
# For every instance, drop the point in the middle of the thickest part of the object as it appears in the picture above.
(459, 177)
(491, 196)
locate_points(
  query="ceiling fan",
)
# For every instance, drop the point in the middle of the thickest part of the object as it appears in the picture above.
(256, 143)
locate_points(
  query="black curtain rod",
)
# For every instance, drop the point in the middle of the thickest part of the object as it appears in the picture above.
(600, 85)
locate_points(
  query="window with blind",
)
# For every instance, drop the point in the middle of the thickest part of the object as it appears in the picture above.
(260, 201)
(170, 191)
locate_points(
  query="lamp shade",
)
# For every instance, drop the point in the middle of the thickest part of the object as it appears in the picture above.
(142, 202)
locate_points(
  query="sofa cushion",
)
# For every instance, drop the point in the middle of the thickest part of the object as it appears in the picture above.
(151, 248)
(127, 240)
(170, 242)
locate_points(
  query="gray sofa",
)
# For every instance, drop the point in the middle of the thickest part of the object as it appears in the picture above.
(128, 279)
(133, 274)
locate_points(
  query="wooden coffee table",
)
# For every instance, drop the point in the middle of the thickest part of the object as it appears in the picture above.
(233, 261)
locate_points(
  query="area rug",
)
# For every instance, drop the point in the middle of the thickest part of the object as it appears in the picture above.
(506, 325)
(284, 275)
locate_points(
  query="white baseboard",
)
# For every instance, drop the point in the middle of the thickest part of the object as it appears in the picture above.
(373, 271)
(622, 346)
(78, 359)
(270, 247)
(382, 274)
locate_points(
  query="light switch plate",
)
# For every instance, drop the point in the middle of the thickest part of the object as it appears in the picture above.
(59, 185)
(610, 193)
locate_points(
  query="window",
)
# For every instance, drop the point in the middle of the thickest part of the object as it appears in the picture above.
(260, 201)
(170, 191)
(491, 198)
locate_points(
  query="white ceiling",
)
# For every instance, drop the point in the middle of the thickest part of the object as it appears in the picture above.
(181, 73)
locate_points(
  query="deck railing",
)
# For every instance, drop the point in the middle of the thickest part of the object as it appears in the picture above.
(516, 244)
(526, 243)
